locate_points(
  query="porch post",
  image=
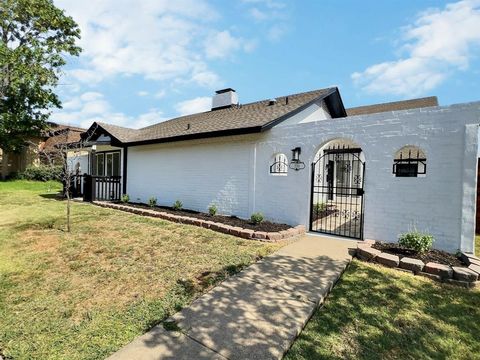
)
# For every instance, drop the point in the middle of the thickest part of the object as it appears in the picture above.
(124, 172)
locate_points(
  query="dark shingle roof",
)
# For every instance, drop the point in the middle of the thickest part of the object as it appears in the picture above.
(256, 115)
(393, 106)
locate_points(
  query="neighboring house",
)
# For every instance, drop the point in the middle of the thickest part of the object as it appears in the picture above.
(369, 172)
(42, 149)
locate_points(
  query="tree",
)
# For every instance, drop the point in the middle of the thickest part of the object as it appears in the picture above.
(35, 37)
(60, 157)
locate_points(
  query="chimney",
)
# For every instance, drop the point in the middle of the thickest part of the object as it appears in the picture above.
(224, 99)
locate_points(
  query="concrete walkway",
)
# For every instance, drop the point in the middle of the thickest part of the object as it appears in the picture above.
(256, 314)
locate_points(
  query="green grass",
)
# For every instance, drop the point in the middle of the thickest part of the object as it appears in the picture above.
(379, 313)
(85, 294)
(477, 245)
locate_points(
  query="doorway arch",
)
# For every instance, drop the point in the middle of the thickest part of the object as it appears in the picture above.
(337, 189)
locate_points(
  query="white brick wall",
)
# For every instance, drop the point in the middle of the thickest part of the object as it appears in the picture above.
(198, 173)
(233, 172)
(441, 203)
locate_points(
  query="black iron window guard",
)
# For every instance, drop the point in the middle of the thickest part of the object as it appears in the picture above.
(409, 167)
(280, 165)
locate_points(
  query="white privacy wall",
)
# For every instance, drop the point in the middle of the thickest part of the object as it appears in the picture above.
(233, 172)
(198, 173)
(442, 202)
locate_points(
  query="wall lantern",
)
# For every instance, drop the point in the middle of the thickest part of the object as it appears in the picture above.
(296, 164)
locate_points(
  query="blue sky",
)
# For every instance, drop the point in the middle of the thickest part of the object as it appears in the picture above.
(148, 61)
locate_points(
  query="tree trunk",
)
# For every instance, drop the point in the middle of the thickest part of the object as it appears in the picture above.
(68, 211)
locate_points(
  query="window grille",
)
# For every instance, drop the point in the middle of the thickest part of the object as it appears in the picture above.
(280, 164)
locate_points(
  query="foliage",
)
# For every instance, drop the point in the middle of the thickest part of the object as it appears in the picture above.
(35, 37)
(57, 301)
(42, 173)
(319, 207)
(477, 245)
(177, 205)
(416, 241)
(378, 313)
(212, 210)
(125, 198)
(152, 201)
(256, 218)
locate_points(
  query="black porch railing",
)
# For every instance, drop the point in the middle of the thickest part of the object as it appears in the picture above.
(92, 187)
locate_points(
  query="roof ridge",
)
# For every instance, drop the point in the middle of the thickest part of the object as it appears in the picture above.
(239, 106)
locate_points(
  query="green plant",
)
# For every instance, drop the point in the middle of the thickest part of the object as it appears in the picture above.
(256, 218)
(177, 205)
(42, 173)
(125, 198)
(152, 202)
(319, 207)
(416, 241)
(212, 210)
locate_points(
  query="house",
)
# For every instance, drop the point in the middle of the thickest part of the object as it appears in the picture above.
(369, 172)
(40, 150)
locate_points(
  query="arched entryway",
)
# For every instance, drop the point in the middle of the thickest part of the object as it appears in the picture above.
(337, 194)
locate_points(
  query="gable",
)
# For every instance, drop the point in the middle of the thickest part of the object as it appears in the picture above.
(317, 111)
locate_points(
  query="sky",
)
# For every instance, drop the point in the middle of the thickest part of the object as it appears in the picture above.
(147, 61)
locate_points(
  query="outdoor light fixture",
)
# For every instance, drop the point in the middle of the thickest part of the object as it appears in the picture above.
(296, 164)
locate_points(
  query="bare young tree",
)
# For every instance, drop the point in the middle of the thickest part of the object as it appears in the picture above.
(66, 155)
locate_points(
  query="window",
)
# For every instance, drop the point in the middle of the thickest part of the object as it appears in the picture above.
(100, 164)
(279, 165)
(113, 164)
(410, 161)
(107, 164)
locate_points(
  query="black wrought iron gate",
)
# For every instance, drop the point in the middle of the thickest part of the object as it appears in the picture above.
(337, 193)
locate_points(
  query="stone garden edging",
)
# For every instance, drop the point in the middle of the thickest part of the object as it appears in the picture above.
(212, 225)
(461, 276)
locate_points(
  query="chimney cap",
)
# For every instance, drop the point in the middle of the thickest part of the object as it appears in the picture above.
(224, 91)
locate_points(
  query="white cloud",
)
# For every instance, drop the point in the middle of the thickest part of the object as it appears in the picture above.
(193, 106)
(276, 32)
(158, 40)
(160, 94)
(440, 42)
(143, 93)
(92, 106)
(223, 44)
(258, 14)
(271, 4)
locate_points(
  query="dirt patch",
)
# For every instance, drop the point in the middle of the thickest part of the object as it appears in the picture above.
(227, 220)
(438, 256)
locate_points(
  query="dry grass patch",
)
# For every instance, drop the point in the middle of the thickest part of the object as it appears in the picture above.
(84, 294)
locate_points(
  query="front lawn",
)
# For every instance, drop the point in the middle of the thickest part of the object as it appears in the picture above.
(85, 294)
(379, 313)
(477, 245)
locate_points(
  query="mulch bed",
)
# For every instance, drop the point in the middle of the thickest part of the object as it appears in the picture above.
(266, 226)
(437, 256)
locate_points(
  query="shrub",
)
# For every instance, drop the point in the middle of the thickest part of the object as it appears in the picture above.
(177, 205)
(319, 207)
(212, 210)
(256, 218)
(416, 241)
(42, 173)
(125, 198)
(152, 202)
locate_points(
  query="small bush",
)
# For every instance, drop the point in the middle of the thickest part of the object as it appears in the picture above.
(152, 202)
(256, 218)
(42, 173)
(125, 198)
(319, 207)
(416, 241)
(212, 210)
(177, 205)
